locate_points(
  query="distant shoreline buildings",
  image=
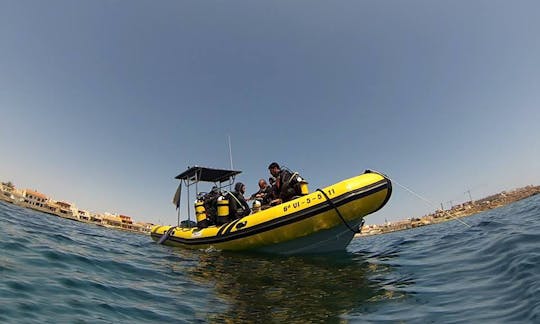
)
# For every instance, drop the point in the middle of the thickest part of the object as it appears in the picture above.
(462, 210)
(40, 202)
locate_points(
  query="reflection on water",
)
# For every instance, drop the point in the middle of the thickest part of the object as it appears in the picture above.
(290, 289)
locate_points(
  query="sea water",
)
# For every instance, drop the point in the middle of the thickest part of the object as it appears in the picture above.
(57, 270)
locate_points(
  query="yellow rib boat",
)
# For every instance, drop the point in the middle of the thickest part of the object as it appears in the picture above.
(322, 221)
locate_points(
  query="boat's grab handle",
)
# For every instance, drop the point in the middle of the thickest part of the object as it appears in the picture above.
(337, 211)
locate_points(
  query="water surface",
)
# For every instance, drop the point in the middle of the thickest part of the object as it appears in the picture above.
(57, 270)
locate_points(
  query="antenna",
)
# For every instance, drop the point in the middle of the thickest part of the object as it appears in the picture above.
(469, 192)
(232, 168)
(230, 151)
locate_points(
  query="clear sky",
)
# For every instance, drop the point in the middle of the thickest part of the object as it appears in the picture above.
(103, 103)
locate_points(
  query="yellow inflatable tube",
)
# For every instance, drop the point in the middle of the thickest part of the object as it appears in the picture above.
(324, 220)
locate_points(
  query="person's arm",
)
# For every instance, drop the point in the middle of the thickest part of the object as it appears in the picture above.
(247, 210)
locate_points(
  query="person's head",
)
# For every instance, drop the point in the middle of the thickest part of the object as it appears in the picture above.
(240, 187)
(274, 169)
(262, 183)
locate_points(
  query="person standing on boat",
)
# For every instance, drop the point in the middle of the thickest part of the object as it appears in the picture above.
(283, 190)
(238, 207)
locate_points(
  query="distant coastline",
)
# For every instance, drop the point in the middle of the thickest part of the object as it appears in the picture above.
(35, 200)
(462, 210)
(40, 202)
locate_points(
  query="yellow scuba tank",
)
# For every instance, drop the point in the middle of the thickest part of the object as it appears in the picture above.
(304, 190)
(301, 186)
(222, 210)
(200, 211)
(200, 214)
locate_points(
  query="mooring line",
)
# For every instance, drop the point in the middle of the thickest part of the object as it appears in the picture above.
(422, 198)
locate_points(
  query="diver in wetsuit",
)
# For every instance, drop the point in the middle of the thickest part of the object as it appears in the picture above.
(238, 207)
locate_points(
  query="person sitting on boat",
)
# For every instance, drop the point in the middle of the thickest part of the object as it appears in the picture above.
(238, 207)
(264, 194)
(282, 187)
(286, 185)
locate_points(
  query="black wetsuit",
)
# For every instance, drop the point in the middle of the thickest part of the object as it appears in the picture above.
(284, 188)
(238, 207)
(265, 195)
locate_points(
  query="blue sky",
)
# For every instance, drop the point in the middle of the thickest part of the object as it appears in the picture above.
(102, 103)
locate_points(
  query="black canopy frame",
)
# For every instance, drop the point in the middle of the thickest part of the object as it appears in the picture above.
(197, 173)
(194, 175)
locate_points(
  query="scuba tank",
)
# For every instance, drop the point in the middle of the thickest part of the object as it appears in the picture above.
(303, 186)
(256, 206)
(200, 213)
(222, 210)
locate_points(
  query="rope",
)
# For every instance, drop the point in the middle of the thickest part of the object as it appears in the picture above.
(338, 213)
(424, 199)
